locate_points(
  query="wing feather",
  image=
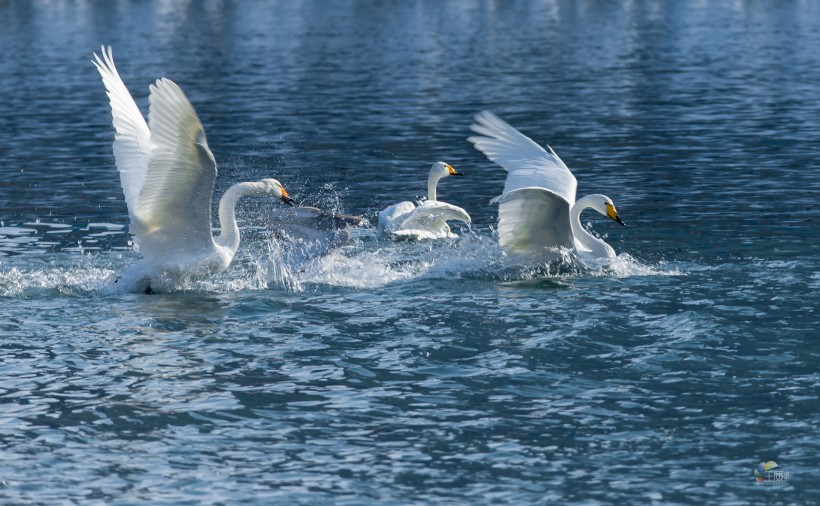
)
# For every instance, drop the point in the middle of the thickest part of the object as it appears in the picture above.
(533, 220)
(173, 211)
(528, 164)
(434, 215)
(391, 218)
(132, 141)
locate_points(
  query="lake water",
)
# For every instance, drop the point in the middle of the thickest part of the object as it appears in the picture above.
(419, 373)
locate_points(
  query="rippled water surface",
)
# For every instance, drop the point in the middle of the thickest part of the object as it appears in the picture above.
(419, 373)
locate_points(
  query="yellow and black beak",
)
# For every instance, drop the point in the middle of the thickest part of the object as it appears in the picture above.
(453, 172)
(612, 213)
(286, 198)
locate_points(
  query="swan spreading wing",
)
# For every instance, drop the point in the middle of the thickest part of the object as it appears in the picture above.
(167, 171)
(533, 211)
(434, 215)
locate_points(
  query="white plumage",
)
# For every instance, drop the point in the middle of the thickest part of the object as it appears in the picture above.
(167, 173)
(537, 213)
(429, 219)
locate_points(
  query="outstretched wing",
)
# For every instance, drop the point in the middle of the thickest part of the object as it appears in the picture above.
(432, 214)
(532, 221)
(528, 164)
(429, 220)
(132, 141)
(173, 211)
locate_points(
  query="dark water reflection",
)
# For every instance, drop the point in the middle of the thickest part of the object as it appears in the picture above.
(674, 111)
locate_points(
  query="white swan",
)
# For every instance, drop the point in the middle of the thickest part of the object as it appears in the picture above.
(429, 219)
(167, 175)
(537, 213)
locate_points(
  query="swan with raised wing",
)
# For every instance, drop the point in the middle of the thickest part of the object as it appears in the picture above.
(429, 219)
(167, 173)
(538, 214)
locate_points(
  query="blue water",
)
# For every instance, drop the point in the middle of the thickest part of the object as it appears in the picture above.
(404, 373)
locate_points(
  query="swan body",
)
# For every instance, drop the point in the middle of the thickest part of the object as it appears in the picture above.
(167, 173)
(429, 219)
(538, 215)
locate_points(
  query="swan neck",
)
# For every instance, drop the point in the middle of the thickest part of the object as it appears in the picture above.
(229, 229)
(587, 240)
(432, 182)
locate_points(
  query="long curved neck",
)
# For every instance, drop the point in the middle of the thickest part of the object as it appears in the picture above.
(432, 182)
(597, 246)
(229, 229)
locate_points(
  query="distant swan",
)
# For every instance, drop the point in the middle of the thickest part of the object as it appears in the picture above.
(537, 212)
(167, 175)
(429, 219)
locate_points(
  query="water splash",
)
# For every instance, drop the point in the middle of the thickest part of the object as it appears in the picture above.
(77, 278)
(369, 263)
(266, 262)
(625, 265)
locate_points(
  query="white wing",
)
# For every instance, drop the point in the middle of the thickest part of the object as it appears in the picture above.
(132, 142)
(173, 211)
(528, 164)
(434, 215)
(533, 220)
(429, 220)
(391, 218)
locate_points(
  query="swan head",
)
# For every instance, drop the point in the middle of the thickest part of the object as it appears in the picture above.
(273, 187)
(442, 169)
(605, 206)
